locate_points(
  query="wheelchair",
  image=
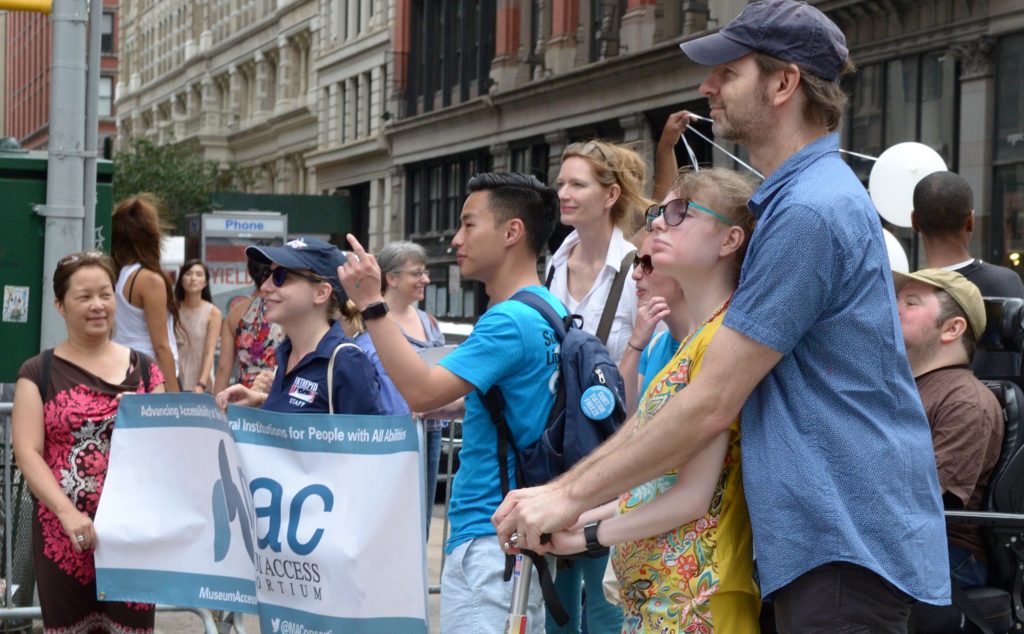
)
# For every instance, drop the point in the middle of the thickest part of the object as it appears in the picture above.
(997, 607)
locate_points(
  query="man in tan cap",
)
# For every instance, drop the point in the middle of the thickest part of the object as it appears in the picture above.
(942, 316)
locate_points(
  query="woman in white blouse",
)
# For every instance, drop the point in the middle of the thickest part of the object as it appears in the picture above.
(600, 191)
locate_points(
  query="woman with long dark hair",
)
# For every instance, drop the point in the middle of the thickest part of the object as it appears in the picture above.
(65, 408)
(200, 324)
(146, 311)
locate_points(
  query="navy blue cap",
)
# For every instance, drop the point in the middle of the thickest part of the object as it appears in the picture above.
(789, 30)
(322, 258)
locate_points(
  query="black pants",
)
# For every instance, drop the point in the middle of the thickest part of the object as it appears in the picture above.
(841, 598)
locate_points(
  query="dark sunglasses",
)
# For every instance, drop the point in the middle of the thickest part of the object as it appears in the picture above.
(280, 275)
(675, 211)
(644, 263)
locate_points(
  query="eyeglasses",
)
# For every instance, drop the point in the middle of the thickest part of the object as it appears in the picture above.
(675, 211)
(79, 257)
(644, 263)
(280, 275)
(417, 273)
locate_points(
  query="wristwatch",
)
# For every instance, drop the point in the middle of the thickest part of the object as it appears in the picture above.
(375, 310)
(590, 534)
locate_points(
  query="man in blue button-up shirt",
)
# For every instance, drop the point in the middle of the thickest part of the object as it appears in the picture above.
(837, 458)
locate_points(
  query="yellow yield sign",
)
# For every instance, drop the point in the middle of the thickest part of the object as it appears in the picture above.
(40, 6)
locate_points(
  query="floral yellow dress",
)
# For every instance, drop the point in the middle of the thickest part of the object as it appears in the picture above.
(698, 577)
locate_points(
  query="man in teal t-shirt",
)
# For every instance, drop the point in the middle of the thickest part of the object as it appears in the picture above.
(505, 222)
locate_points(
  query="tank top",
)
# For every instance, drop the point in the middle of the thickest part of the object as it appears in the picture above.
(191, 347)
(130, 327)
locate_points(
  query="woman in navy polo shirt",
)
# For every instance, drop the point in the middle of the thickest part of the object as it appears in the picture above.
(301, 294)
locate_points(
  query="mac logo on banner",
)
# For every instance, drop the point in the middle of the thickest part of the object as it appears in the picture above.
(229, 505)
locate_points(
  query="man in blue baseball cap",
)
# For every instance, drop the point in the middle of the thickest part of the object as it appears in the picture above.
(837, 460)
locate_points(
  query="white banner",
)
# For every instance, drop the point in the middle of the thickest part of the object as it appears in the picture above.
(313, 521)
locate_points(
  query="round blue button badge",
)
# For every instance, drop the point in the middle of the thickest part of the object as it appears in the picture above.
(597, 402)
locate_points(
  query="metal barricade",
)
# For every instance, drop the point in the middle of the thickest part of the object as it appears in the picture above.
(17, 577)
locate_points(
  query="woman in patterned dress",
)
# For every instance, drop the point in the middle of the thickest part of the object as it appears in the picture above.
(682, 542)
(247, 336)
(65, 405)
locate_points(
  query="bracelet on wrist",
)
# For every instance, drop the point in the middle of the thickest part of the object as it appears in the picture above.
(630, 344)
(201, 384)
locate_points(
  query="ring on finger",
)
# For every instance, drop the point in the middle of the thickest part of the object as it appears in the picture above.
(513, 539)
(80, 539)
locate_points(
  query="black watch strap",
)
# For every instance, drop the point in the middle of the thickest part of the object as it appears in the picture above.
(590, 534)
(375, 310)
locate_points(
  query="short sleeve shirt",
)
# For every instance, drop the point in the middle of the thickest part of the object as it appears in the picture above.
(837, 455)
(514, 348)
(304, 388)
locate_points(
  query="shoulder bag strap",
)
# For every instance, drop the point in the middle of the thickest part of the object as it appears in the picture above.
(330, 373)
(44, 373)
(551, 276)
(604, 327)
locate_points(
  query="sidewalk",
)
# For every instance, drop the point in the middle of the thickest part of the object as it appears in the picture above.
(188, 623)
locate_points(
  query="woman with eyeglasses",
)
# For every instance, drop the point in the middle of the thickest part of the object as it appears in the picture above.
(65, 407)
(319, 368)
(660, 300)
(600, 193)
(200, 324)
(147, 315)
(404, 279)
(682, 544)
(247, 336)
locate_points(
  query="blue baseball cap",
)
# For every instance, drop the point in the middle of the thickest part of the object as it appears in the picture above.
(323, 258)
(789, 30)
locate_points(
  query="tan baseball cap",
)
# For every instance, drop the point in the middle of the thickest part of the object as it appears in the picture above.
(962, 290)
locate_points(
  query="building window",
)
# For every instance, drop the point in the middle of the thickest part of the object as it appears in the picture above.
(606, 21)
(106, 104)
(435, 193)
(530, 158)
(1007, 245)
(107, 34)
(905, 99)
(451, 47)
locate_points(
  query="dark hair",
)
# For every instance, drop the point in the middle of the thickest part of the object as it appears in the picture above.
(948, 309)
(258, 271)
(942, 203)
(516, 195)
(826, 99)
(71, 264)
(135, 232)
(179, 291)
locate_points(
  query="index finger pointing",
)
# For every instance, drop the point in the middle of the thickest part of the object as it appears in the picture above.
(356, 247)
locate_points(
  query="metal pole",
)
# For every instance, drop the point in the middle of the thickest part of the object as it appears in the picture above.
(92, 101)
(63, 210)
(517, 618)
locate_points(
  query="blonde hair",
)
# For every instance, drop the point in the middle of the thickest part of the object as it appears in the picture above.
(730, 190)
(615, 164)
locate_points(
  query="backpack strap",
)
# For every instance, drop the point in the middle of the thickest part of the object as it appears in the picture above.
(494, 401)
(330, 373)
(558, 323)
(604, 327)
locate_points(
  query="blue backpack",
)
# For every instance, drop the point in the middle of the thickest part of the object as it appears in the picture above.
(589, 404)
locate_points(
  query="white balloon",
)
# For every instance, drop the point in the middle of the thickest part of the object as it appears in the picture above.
(894, 176)
(897, 255)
